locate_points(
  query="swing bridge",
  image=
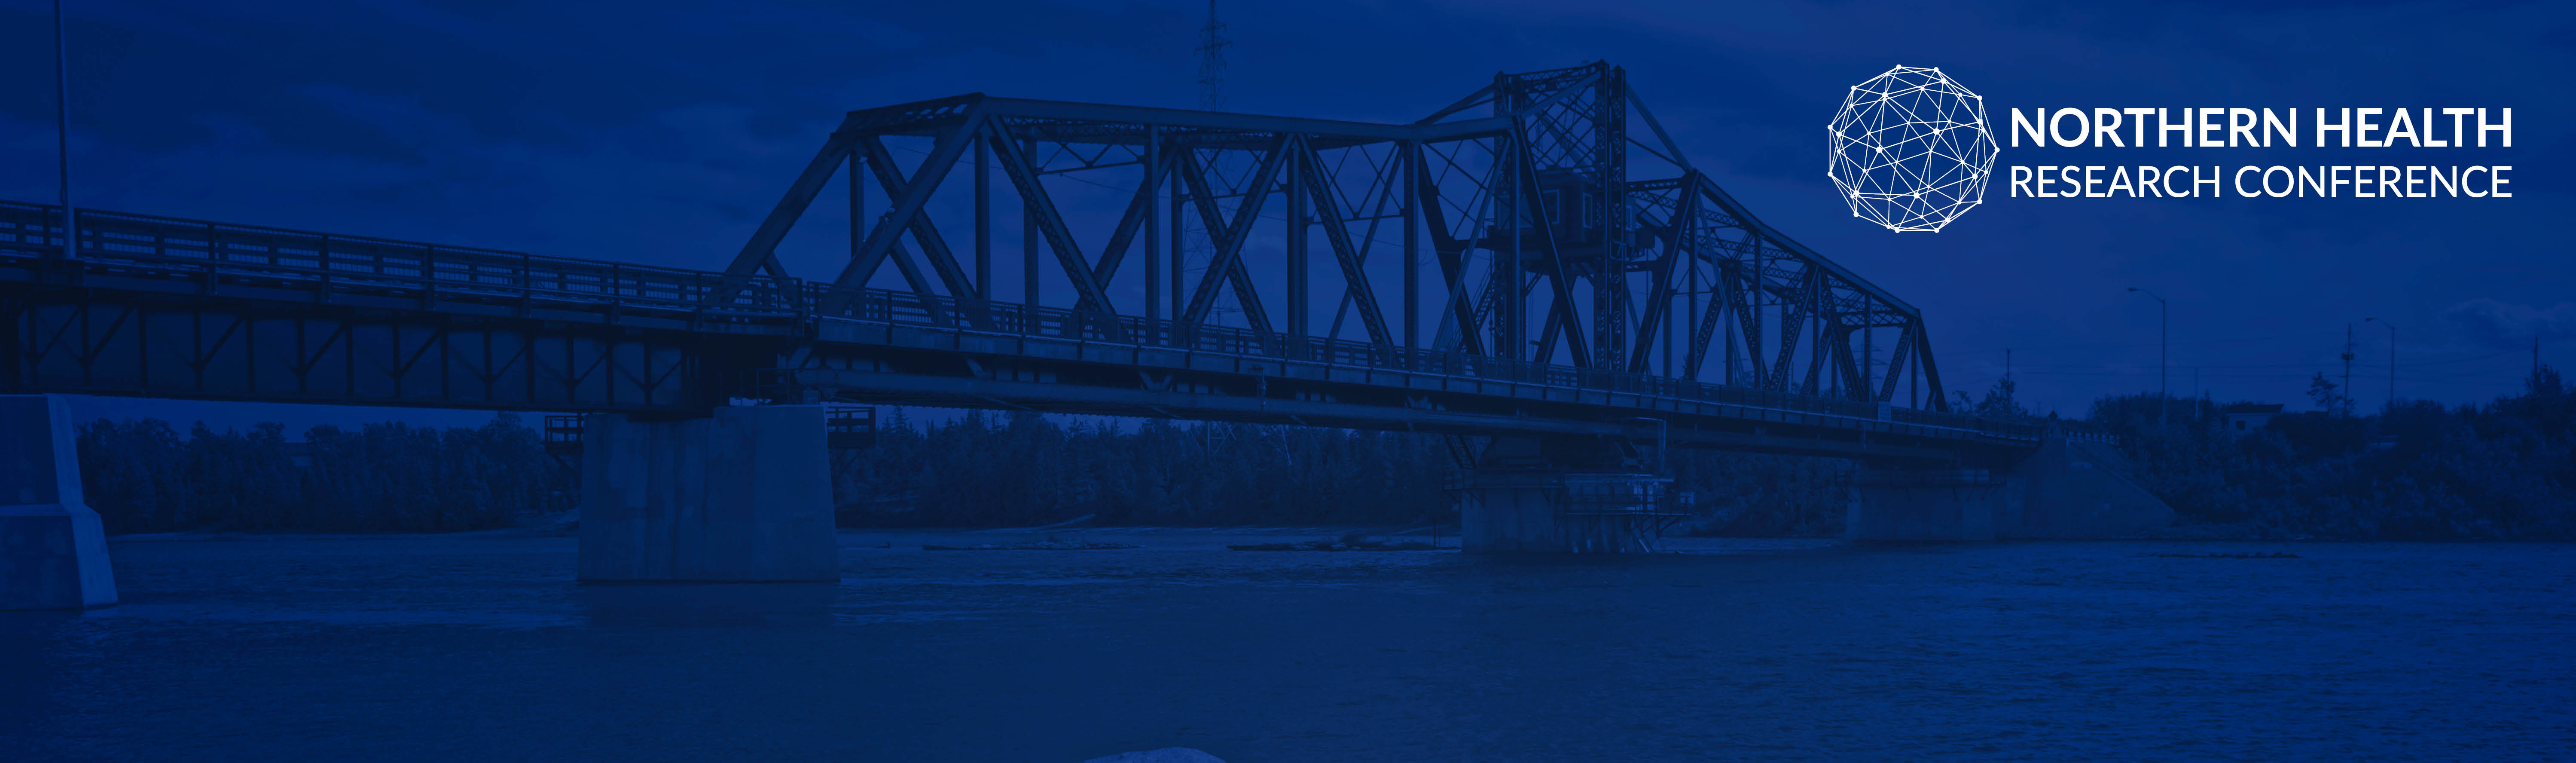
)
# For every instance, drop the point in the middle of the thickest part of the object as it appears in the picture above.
(1526, 261)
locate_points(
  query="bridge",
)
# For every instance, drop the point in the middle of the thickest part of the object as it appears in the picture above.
(1574, 301)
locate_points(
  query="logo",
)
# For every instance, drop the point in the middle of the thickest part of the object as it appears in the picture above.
(1911, 150)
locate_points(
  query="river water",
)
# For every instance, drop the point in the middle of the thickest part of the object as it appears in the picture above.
(482, 647)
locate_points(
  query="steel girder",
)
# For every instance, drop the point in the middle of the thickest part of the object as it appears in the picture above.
(1522, 195)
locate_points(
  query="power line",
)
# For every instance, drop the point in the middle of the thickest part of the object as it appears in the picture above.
(2421, 364)
(2221, 340)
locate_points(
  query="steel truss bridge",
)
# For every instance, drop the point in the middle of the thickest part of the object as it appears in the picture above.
(1499, 267)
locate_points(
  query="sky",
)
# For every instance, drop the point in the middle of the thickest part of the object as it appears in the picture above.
(660, 132)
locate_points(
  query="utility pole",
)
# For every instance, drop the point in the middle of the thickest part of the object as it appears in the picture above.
(63, 134)
(2392, 360)
(2163, 346)
(2347, 369)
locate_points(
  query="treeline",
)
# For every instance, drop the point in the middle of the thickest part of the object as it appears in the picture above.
(1024, 469)
(2416, 470)
(2501, 470)
(141, 476)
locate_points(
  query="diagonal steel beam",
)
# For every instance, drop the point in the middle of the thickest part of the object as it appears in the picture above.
(1547, 334)
(1923, 365)
(1450, 251)
(881, 239)
(1793, 322)
(1384, 189)
(1896, 364)
(1747, 321)
(1327, 211)
(1068, 254)
(1658, 128)
(1706, 332)
(1561, 312)
(933, 247)
(920, 286)
(1660, 297)
(1561, 94)
(1816, 357)
(1718, 199)
(1204, 201)
(761, 252)
(1481, 95)
(1139, 207)
(1228, 260)
(1847, 363)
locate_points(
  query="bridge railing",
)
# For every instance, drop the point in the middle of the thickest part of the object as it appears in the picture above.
(903, 307)
(180, 248)
(358, 262)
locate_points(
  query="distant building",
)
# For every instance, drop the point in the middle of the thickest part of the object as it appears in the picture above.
(2245, 418)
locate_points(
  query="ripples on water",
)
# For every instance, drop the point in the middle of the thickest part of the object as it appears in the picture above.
(482, 647)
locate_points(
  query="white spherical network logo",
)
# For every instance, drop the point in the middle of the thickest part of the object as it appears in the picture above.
(1911, 150)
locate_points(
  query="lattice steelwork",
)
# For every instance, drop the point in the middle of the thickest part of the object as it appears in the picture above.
(1503, 267)
(1544, 245)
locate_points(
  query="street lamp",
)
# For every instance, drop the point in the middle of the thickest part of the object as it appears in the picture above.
(63, 134)
(2392, 359)
(2161, 346)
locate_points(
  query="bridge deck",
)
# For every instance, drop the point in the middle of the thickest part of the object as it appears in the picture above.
(645, 338)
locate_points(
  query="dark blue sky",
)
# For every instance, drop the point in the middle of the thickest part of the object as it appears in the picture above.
(659, 133)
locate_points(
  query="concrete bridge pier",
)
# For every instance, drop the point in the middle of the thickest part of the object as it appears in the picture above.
(1561, 495)
(744, 495)
(2064, 489)
(1929, 504)
(53, 552)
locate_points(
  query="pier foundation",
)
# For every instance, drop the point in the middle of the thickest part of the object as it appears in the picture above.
(1560, 495)
(2067, 488)
(53, 551)
(744, 495)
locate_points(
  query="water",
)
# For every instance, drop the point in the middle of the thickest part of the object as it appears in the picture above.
(482, 647)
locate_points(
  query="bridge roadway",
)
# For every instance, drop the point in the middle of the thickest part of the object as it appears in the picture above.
(166, 307)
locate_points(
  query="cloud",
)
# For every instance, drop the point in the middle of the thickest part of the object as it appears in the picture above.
(2504, 324)
(661, 131)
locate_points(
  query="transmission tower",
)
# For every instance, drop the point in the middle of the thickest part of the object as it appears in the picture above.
(1193, 250)
(1212, 44)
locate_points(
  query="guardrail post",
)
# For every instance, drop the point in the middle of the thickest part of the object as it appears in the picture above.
(527, 288)
(429, 278)
(322, 259)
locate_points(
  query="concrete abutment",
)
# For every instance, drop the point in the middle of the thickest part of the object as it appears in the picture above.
(2064, 489)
